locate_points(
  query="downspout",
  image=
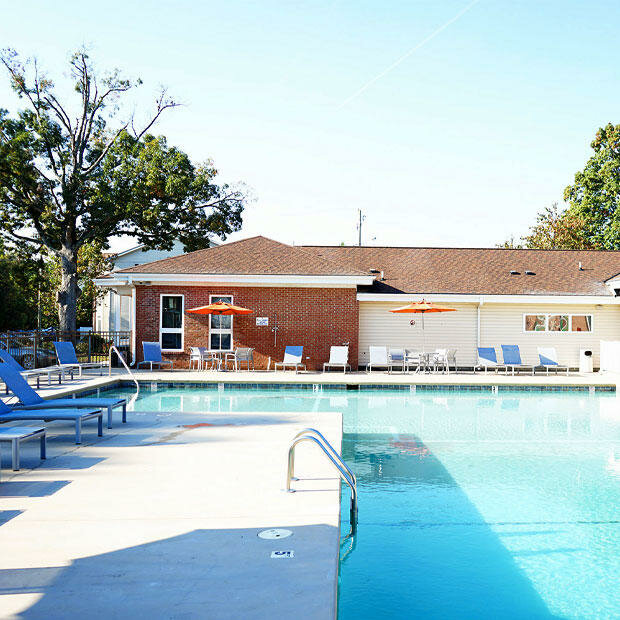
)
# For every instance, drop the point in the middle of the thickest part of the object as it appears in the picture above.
(133, 322)
(480, 303)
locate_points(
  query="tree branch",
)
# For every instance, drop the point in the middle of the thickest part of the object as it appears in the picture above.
(162, 104)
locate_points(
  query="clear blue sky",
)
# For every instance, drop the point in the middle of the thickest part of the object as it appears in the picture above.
(460, 144)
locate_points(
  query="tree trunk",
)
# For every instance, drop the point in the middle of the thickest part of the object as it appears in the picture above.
(68, 291)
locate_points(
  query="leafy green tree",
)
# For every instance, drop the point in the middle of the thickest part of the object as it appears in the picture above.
(558, 230)
(67, 180)
(595, 195)
(20, 273)
(509, 244)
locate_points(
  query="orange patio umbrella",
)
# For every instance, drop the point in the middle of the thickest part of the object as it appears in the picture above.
(220, 307)
(422, 307)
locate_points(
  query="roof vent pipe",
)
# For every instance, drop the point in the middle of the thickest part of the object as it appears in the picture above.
(382, 275)
(580, 266)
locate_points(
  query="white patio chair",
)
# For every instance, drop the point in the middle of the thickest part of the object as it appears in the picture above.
(412, 358)
(209, 358)
(195, 358)
(240, 355)
(338, 357)
(443, 359)
(396, 359)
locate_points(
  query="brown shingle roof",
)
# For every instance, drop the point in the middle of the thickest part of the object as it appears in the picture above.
(256, 255)
(473, 271)
(481, 270)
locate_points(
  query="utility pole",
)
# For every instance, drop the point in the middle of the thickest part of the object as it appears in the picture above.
(359, 227)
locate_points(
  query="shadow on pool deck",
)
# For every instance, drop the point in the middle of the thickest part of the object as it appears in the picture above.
(422, 548)
(215, 574)
(7, 515)
(17, 488)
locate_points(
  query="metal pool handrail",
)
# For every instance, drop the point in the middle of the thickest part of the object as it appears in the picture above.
(313, 431)
(120, 357)
(336, 462)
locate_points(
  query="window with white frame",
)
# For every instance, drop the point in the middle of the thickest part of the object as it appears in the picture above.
(220, 326)
(567, 323)
(171, 322)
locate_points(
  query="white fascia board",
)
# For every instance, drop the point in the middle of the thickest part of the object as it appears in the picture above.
(109, 282)
(129, 251)
(196, 279)
(493, 299)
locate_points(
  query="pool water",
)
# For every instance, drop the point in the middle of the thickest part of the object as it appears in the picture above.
(471, 505)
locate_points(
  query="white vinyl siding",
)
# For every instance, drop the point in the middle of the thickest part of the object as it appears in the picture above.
(503, 324)
(138, 257)
(499, 324)
(443, 330)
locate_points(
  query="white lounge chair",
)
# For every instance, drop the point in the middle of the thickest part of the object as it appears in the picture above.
(549, 359)
(487, 358)
(293, 356)
(378, 356)
(338, 358)
(512, 359)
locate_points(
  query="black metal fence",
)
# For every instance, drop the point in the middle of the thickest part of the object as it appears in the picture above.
(35, 349)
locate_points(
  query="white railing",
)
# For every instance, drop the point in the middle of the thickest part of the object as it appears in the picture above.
(122, 359)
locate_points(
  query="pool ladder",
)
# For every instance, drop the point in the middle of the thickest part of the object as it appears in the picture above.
(314, 436)
(122, 359)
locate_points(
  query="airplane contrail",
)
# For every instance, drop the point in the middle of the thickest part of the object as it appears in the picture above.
(404, 57)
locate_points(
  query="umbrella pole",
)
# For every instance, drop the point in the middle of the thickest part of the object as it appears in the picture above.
(423, 334)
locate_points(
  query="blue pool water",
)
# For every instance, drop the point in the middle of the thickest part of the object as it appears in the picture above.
(472, 505)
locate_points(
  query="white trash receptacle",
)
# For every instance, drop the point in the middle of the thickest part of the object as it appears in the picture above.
(586, 362)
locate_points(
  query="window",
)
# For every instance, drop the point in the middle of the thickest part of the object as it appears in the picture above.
(535, 322)
(220, 326)
(581, 323)
(557, 323)
(171, 323)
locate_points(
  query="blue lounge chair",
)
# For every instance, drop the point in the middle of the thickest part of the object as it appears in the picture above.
(67, 358)
(292, 357)
(487, 358)
(512, 359)
(29, 399)
(152, 355)
(10, 414)
(549, 359)
(7, 358)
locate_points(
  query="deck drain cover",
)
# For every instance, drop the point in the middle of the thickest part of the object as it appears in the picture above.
(274, 533)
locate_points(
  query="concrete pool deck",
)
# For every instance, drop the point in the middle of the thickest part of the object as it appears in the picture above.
(161, 515)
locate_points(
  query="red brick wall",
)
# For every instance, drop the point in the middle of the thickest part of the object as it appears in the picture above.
(316, 318)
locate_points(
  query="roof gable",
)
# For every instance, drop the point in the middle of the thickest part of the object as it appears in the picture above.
(256, 255)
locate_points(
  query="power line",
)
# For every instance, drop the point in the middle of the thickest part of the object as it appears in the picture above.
(404, 57)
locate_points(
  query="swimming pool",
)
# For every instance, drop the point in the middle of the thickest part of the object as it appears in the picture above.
(472, 504)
